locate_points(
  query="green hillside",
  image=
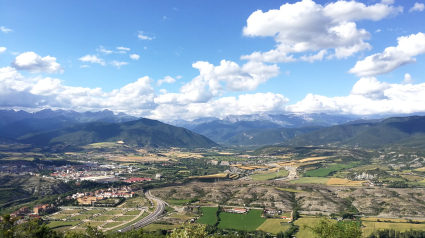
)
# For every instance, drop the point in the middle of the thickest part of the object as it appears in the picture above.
(143, 132)
(404, 131)
(268, 137)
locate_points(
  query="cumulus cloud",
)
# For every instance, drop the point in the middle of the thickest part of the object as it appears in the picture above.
(392, 58)
(143, 37)
(123, 48)
(309, 27)
(134, 56)
(85, 66)
(167, 79)
(17, 91)
(5, 29)
(418, 7)
(118, 64)
(92, 59)
(368, 97)
(209, 82)
(34, 63)
(2, 49)
(407, 78)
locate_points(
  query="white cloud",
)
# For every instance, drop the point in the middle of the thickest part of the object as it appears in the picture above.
(163, 91)
(134, 56)
(419, 7)
(121, 52)
(16, 91)
(2, 49)
(143, 37)
(5, 29)
(167, 79)
(407, 78)
(15, 53)
(118, 64)
(179, 77)
(34, 63)
(388, 2)
(92, 59)
(221, 107)
(368, 97)
(392, 58)
(123, 48)
(208, 84)
(309, 27)
(379, 30)
(317, 57)
(104, 51)
(85, 66)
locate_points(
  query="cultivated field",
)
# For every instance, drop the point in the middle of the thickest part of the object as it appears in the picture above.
(274, 226)
(374, 226)
(343, 182)
(311, 180)
(248, 222)
(268, 176)
(209, 216)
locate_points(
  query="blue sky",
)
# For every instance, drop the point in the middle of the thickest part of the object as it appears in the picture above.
(354, 69)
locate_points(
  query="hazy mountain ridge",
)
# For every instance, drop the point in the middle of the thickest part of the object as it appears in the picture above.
(142, 132)
(14, 124)
(11, 116)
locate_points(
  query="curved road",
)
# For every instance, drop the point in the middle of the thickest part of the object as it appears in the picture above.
(160, 206)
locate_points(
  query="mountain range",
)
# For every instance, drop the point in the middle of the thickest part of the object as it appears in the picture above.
(394, 131)
(70, 128)
(260, 129)
(142, 132)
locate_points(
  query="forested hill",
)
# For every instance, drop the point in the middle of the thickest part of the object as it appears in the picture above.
(404, 131)
(142, 132)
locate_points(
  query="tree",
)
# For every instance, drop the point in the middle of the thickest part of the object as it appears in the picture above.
(190, 231)
(329, 229)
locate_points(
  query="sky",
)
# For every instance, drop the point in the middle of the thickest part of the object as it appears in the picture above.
(171, 60)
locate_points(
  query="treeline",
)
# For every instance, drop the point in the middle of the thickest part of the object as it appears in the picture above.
(397, 234)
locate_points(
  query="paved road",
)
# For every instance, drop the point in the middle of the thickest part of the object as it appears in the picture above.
(160, 206)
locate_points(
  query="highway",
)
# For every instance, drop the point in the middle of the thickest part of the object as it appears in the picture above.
(160, 206)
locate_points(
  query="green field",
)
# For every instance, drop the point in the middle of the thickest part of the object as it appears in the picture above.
(262, 177)
(323, 172)
(94, 211)
(374, 226)
(311, 180)
(124, 218)
(135, 212)
(80, 217)
(112, 224)
(62, 225)
(103, 218)
(289, 190)
(274, 226)
(248, 222)
(209, 216)
(113, 212)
